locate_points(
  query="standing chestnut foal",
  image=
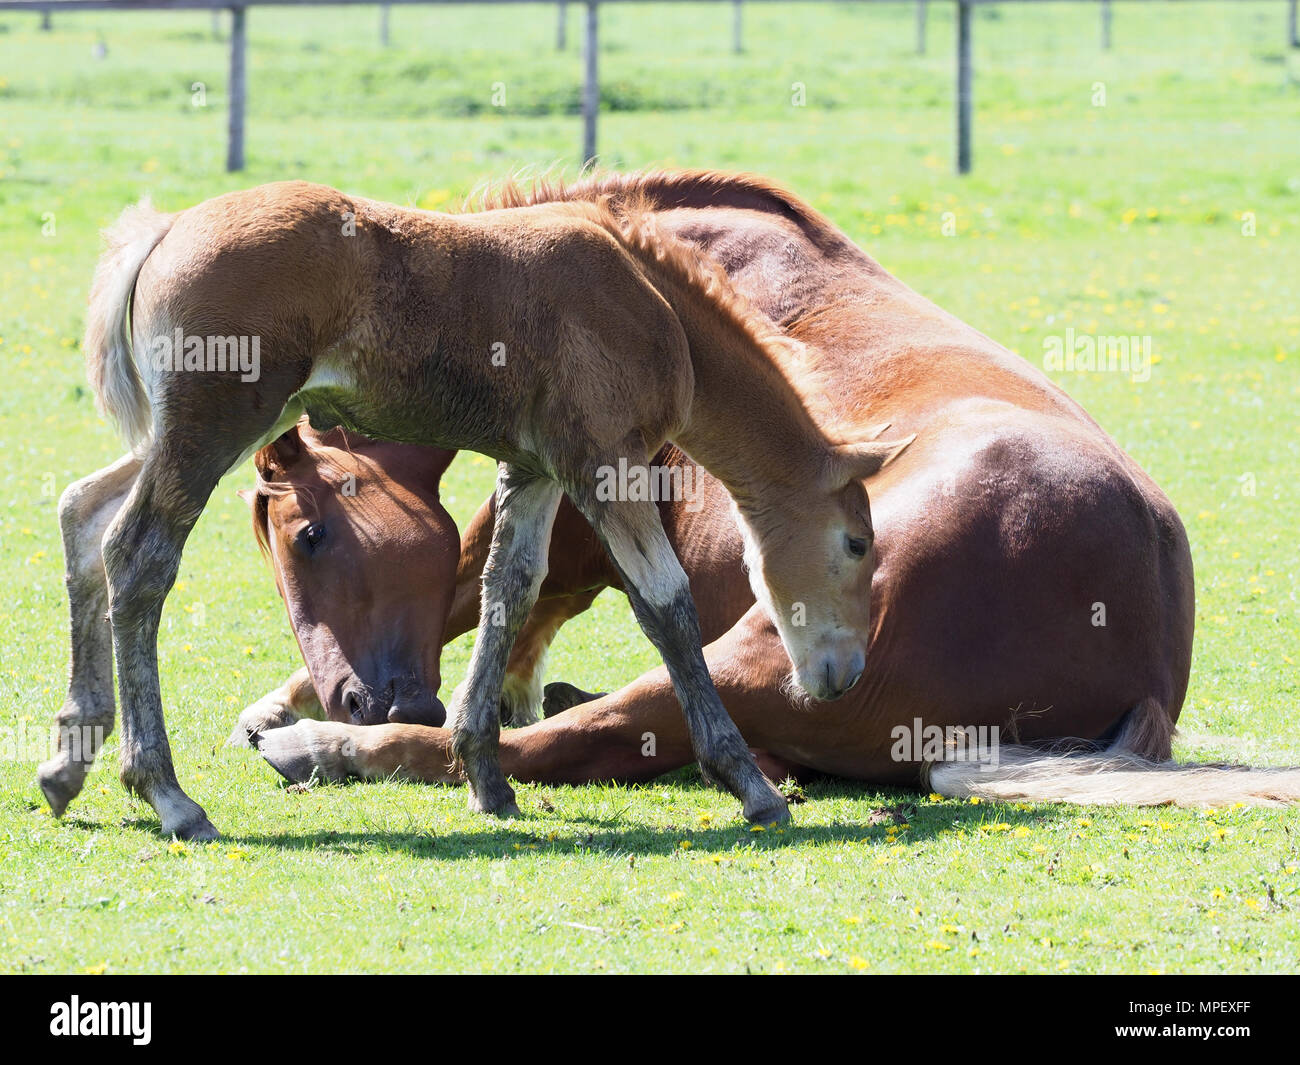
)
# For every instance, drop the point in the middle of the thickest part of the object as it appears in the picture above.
(559, 339)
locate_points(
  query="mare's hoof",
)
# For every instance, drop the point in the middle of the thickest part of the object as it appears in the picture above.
(262, 716)
(307, 750)
(558, 697)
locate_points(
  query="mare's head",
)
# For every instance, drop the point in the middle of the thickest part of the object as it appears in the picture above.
(365, 559)
(810, 552)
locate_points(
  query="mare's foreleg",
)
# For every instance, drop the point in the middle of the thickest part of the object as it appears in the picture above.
(512, 577)
(521, 694)
(293, 701)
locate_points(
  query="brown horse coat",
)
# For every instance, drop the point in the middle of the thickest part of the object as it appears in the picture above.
(616, 337)
(1030, 576)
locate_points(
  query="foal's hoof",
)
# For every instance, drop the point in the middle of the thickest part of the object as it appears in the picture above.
(768, 810)
(60, 784)
(197, 830)
(558, 697)
(502, 804)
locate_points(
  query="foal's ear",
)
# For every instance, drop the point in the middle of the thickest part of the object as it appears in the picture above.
(247, 495)
(866, 459)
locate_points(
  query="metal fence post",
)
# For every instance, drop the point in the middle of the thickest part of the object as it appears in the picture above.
(922, 11)
(963, 87)
(384, 11)
(737, 27)
(1293, 25)
(590, 88)
(1105, 25)
(238, 92)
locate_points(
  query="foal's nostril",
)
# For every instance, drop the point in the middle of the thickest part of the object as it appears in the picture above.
(352, 705)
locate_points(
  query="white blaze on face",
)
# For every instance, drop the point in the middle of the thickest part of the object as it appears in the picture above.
(758, 584)
(821, 633)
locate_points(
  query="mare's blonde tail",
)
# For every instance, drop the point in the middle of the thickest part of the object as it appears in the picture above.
(1135, 770)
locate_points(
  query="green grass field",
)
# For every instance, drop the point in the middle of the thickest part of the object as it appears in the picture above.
(1135, 217)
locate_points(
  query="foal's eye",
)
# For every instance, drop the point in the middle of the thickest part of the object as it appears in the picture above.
(312, 537)
(857, 546)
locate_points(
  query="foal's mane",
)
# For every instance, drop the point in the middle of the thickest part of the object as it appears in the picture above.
(625, 206)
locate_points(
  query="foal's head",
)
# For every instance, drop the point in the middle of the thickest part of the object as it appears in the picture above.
(369, 622)
(811, 557)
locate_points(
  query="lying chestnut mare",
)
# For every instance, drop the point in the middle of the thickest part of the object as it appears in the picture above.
(557, 338)
(998, 534)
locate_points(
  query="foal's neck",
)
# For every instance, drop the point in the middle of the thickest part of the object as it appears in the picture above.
(749, 425)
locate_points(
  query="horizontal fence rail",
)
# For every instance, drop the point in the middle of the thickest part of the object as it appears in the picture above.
(964, 75)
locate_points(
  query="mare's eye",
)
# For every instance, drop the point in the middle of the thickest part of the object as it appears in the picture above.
(312, 537)
(857, 546)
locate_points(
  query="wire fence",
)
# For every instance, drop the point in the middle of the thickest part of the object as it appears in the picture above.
(964, 66)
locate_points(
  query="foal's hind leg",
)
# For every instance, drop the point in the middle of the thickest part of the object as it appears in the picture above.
(142, 553)
(85, 510)
(660, 594)
(512, 577)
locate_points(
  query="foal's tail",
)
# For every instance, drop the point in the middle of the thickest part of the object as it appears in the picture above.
(1135, 770)
(110, 360)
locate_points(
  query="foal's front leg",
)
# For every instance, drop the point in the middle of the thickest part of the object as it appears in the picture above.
(85, 510)
(660, 594)
(512, 577)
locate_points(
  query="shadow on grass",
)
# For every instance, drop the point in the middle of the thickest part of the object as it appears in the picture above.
(560, 833)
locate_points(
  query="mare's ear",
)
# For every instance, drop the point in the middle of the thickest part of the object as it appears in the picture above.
(279, 454)
(247, 495)
(868, 458)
